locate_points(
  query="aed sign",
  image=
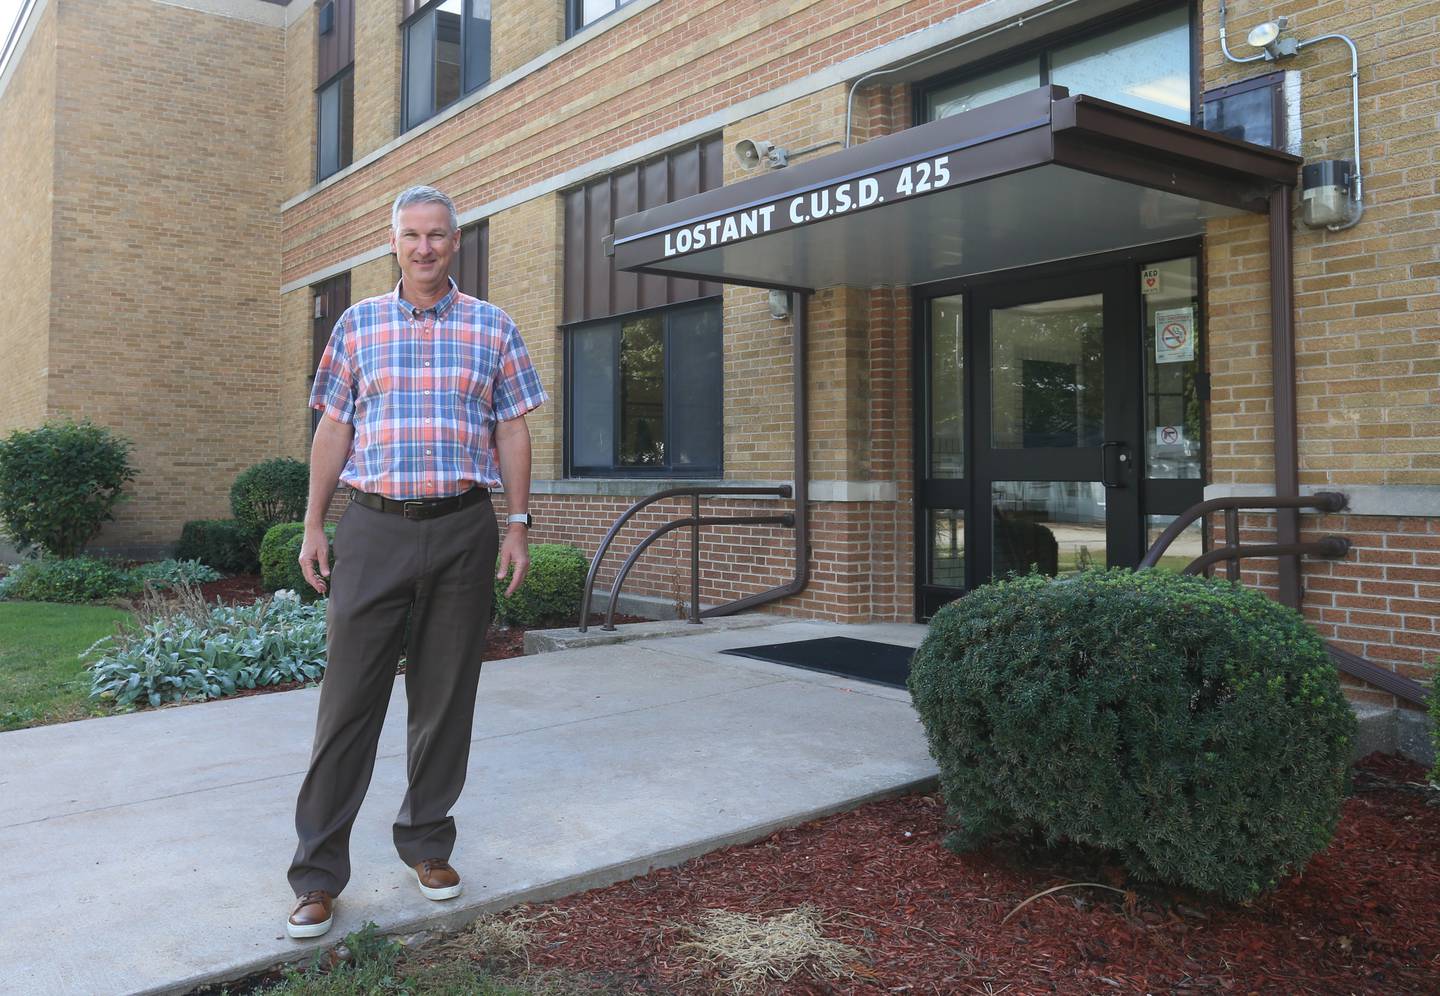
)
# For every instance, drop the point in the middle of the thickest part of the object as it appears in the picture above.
(829, 201)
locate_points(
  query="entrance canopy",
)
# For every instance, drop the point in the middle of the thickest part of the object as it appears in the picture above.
(1038, 177)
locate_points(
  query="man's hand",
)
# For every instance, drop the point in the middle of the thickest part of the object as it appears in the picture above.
(514, 553)
(315, 547)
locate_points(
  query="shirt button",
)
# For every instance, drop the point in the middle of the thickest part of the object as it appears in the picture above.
(427, 363)
(427, 390)
(427, 419)
(427, 452)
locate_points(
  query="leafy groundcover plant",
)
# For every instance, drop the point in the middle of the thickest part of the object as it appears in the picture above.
(193, 651)
(1194, 727)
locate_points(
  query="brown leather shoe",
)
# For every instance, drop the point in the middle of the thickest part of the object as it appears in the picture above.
(313, 913)
(437, 879)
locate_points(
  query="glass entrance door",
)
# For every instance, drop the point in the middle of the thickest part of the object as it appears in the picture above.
(1031, 419)
(1057, 427)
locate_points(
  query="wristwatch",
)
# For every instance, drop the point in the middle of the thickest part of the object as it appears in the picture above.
(521, 517)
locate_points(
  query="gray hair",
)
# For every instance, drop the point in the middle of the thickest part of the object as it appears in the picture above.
(422, 195)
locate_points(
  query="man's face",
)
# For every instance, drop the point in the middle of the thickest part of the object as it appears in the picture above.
(423, 244)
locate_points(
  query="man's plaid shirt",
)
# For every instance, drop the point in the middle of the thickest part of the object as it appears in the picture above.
(424, 390)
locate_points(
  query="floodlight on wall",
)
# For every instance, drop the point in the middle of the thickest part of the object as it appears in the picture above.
(752, 154)
(1267, 38)
(779, 304)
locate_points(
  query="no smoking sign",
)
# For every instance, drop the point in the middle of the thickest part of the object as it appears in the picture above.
(1175, 335)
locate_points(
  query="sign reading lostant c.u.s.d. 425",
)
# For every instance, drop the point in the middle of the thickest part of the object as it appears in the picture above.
(828, 201)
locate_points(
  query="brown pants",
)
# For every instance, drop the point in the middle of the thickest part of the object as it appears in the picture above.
(441, 573)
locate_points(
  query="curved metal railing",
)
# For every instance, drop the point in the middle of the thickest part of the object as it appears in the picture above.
(694, 522)
(1330, 547)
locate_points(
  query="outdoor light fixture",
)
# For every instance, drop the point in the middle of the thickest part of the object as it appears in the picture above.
(1267, 36)
(1333, 189)
(779, 303)
(752, 154)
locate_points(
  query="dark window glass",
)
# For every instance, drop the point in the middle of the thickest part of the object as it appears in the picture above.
(447, 55)
(471, 265)
(1252, 110)
(646, 393)
(328, 300)
(584, 12)
(1142, 63)
(335, 125)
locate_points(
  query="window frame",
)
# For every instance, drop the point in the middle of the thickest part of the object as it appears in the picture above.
(614, 469)
(575, 13)
(1274, 81)
(345, 153)
(466, 86)
(1040, 49)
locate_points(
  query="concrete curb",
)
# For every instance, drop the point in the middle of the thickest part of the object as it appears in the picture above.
(543, 641)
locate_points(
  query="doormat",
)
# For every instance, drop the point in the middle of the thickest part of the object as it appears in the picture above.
(881, 663)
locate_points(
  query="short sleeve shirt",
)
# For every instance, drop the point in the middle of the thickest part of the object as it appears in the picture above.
(424, 389)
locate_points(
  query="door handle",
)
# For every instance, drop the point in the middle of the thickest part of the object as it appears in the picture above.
(1123, 457)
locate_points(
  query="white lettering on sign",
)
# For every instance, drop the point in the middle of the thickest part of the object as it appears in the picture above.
(718, 231)
(815, 205)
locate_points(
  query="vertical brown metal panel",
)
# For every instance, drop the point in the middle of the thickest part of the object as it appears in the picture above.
(484, 252)
(411, 6)
(575, 254)
(712, 175)
(598, 266)
(336, 50)
(335, 293)
(594, 289)
(654, 191)
(685, 179)
(627, 200)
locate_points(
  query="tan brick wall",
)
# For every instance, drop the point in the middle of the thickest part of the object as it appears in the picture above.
(27, 163)
(526, 253)
(379, 65)
(521, 30)
(299, 137)
(168, 161)
(1367, 299)
(296, 370)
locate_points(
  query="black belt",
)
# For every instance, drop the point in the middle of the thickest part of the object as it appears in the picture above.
(420, 508)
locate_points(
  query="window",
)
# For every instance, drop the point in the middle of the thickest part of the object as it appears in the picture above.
(586, 12)
(471, 267)
(1143, 63)
(1253, 110)
(335, 125)
(335, 97)
(645, 393)
(447, 55)
(328, 301)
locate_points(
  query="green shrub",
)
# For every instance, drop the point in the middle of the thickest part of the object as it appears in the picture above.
(59, 483)
(224, 544)
(1195, 727)
(280, 559)
(270, 492)
(552, 588)
(77, 579)
(173, 573)
(188, 656)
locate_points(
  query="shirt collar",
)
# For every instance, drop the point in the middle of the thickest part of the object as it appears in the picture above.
(439, 308)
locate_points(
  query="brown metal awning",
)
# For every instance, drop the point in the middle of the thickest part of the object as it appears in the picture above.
(1039, 177)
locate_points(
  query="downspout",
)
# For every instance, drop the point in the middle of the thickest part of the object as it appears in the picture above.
(1282, 352)
(800, 302)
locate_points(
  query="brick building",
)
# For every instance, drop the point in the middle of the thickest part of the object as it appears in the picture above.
(1038, 283)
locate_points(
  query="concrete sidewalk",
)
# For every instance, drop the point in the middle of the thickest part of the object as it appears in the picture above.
(147, 853)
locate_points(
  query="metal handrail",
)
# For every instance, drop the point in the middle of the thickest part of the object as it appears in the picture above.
(1232, 552)
(695, 521)
(1332, 547)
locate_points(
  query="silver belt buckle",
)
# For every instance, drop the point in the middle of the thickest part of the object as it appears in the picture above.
(405, 510)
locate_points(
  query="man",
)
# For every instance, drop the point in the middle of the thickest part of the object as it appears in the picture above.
(422, 389)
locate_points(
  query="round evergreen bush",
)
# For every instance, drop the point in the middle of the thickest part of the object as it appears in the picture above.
(1193, 726)
(224, 544)
(552, 588)
(270, 492)
(280, 559)
(60, 483)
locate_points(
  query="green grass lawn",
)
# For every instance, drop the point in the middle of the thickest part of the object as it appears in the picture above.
(41, 677)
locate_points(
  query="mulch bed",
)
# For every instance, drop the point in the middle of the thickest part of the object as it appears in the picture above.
(1363, 918)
